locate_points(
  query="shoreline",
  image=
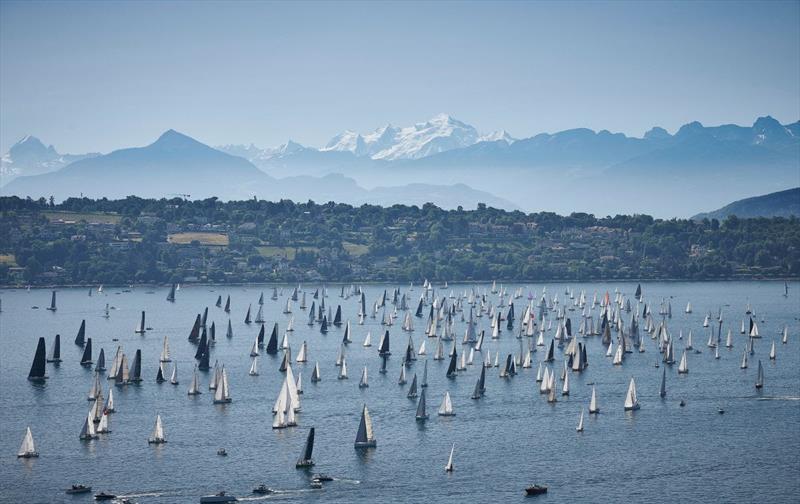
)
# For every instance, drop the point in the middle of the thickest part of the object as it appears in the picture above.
(382, 282)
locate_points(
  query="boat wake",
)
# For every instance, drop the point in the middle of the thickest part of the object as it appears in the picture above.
(346, 480)
(778, 398)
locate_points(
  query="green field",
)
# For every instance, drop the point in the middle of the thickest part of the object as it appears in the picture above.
(355, 249)
(287, 252)
(216, 239)
(103, 218)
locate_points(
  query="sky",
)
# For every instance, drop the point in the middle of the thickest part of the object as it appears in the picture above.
(98, 76)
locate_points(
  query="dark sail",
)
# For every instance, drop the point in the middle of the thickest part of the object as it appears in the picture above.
(421, 414)
(261, 298)
(212, 333)
(80, 339)
(272, 346)
(56, 355)
(141, 329)
(219, 302)
(205, 358)
(202, 346)
(550, 352)
(261, 337)
(309, 449)
(171, 295)
(86, 360)
(53, 302)
(136, 368)
(568, 326)
(160, 374)
(228, 305)
(195, 332)
(419, 309)
(37, 368)
(383, 364)
(101, 361)
(205, 317)
(412, 390)
(638, 294)
(451, 369)
(483, 379)
(384, 349)
(337, 319)
(324, 327)
(247, 317)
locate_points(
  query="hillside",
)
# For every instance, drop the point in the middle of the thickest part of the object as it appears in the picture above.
(778, 204)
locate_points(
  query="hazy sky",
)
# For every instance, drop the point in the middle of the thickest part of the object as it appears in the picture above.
(97, 76)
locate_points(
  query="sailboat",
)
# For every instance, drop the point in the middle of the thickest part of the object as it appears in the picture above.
(365, 437)
(683, 367)
(315, 377)
(421, 414)
(80, 338)
(579, 428)
(785, 337)
(412, 389)
(247, 319)
(760, 376)
(88, 431)
(103, 426)
(37, 372)
(222, 392)
(631, 402)
(165, 351)
(254, 367)
(593, 408)
(194, 388)
(305, 459)
(368, 339)
(27, 449)
(171, 294)
(174, 378)
(302, 356)
(55, 352)
(52, 307)
(363, 382)
(449, 467)
(157, 437)
(110, 402)
(141, 329)
(228, 304)
(446, 408)
(343, 370)
(772, 351)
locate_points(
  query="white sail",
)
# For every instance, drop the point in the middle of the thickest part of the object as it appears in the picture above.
(194, 388)
(27, 449)
(593, 408)
(631, 402)
(299, 383)
(315, 377)
(165, 351)
(449, 467)
(174, 378)
(343, 370)
(683, 367)
(302, 356)
(368, 339)
(772, 351)
(363, 382)
(785, 338)
(158, 432)
(760, 376)
(421, 348)
(254, 367)
(744, 360)
(565, 387)
(110, 401)
(446, 407)
(579, 428)
(222, 393)
(102, 427)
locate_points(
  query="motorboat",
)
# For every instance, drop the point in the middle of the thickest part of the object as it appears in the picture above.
(263, 490)
(79, 489)
(322, 477)
(535, 490)
(102, 496)
(222, 452)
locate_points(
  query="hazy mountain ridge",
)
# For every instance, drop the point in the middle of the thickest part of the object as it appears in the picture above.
(176, 164)
(778, 204)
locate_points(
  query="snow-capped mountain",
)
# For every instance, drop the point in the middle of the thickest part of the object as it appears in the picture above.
(439, 134)
(30, 156)
(255, 154)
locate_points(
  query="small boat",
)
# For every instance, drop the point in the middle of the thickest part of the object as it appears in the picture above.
(535, 490)
(316, 484)
(449, 467)
(104, 496)
(263, 490)
(321, 477)
(27, 449)
(682, 403)
(79, 489)
(222, 452)
(220, 497)
(720, 410)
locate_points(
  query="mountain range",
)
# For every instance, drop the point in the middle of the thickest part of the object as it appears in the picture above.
(30, 156)
(176, 164)
(600, 172)
(778, 204)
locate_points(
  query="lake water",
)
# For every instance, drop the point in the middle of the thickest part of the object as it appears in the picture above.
(507, 440)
